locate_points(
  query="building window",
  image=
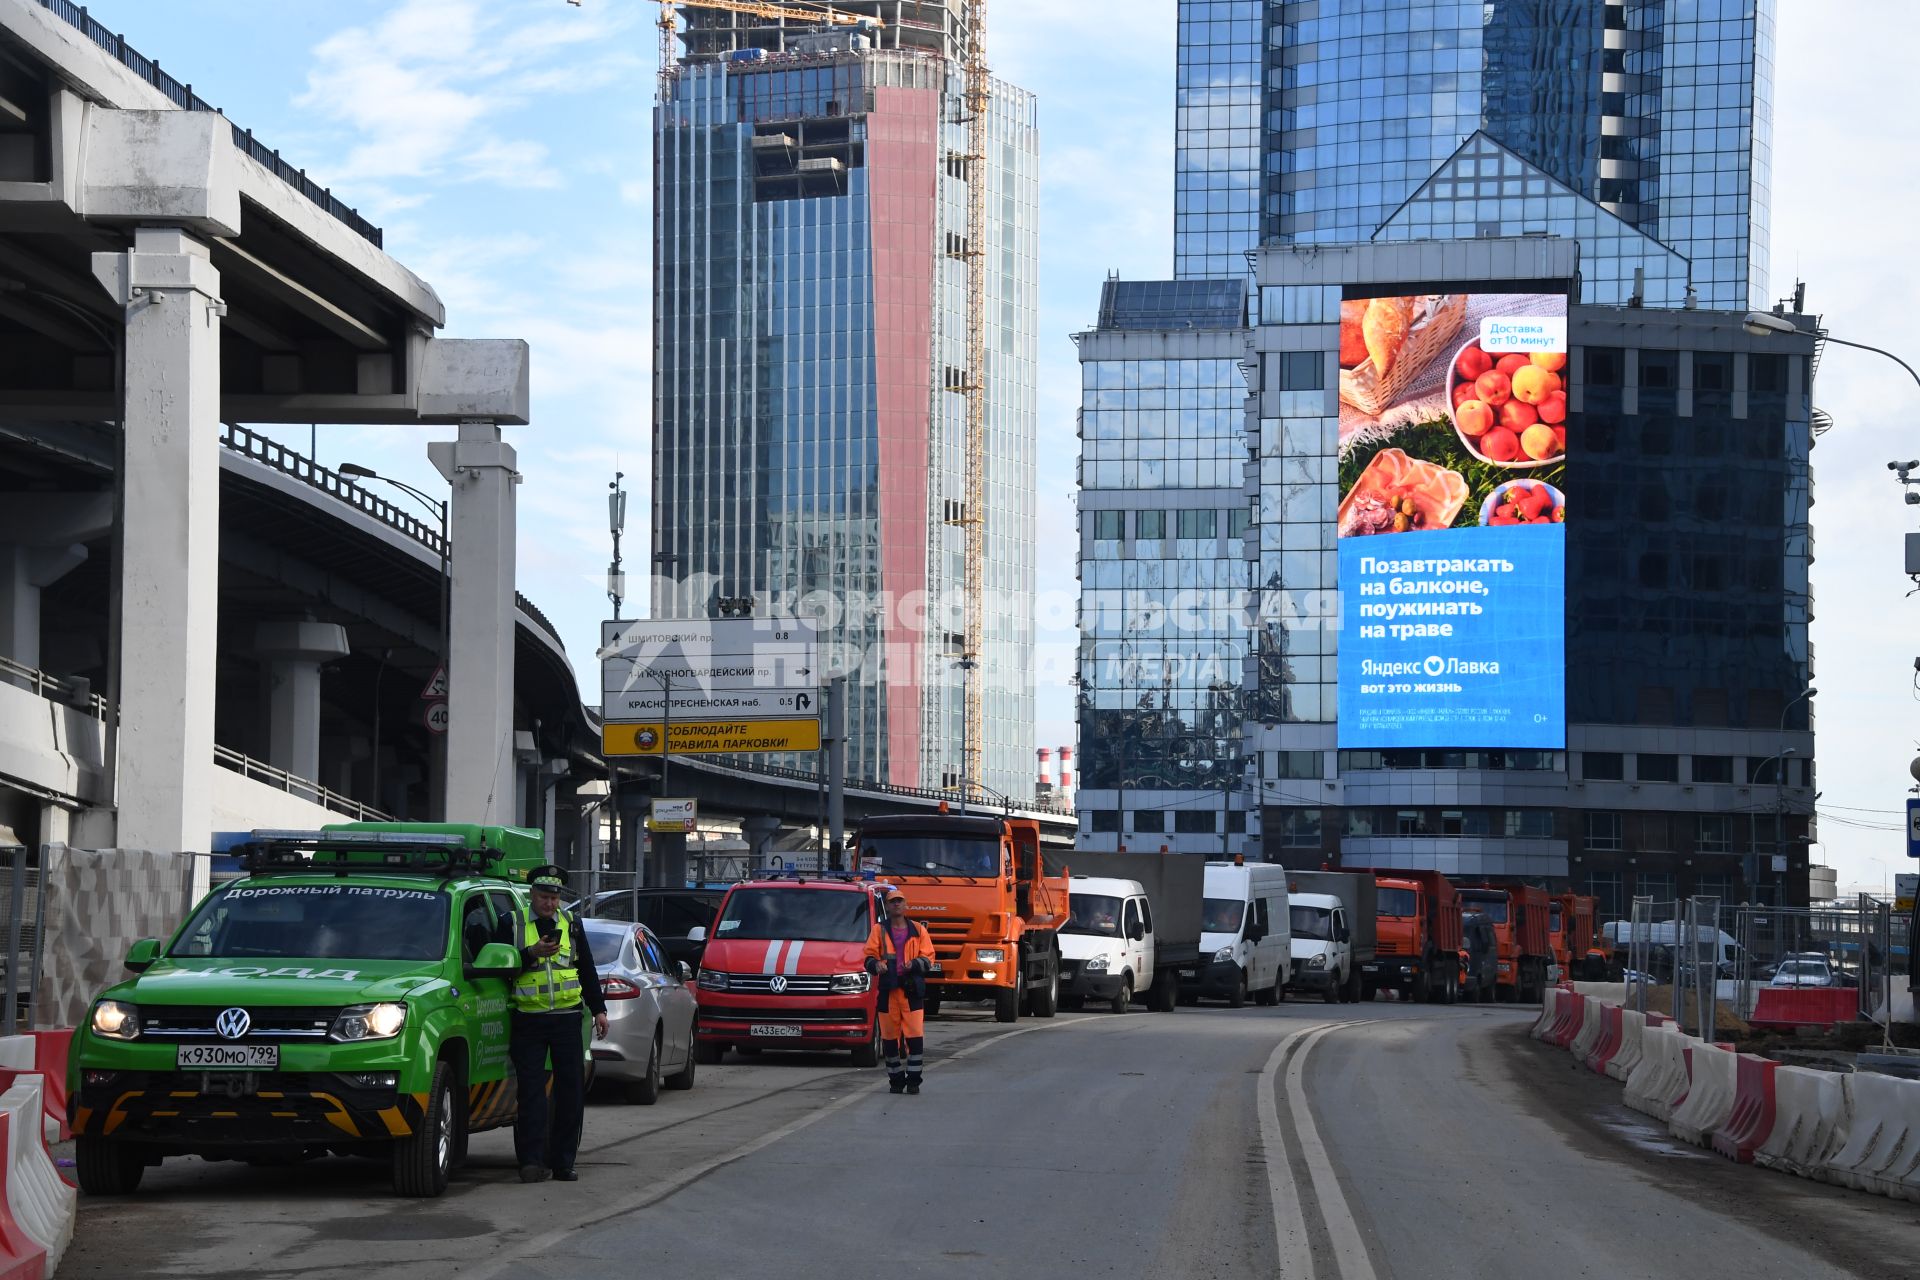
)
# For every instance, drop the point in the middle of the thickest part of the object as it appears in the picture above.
(1237, 522)
(1109, 525)
(1603, 366)
(1657, 768)
(1150, 525)
(1299, 828)
(1237, 822)
(1302, 371)
(1714, 886)
(1602, 766)
(1530, 824)
(1715, 834)
(1294, 764)
(1199, 524)
(1103, 820)
(1657, 885)
(1604, 832)
(1713, 768)
(1604, 886)
(1149, 820)
(1193, 822)
(1412, 822)
(1764, 773)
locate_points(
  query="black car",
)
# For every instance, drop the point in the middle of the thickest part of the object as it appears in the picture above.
(671, 913)
(1480, 967)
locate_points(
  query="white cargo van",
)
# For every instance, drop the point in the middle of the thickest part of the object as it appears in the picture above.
(1106, 946)
(1246, 944)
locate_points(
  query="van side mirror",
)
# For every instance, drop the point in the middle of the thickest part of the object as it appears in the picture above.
(1136, 931)
(1342, 934)
(697, 934)
(142, 954)
(1255, 933)
(496, 960)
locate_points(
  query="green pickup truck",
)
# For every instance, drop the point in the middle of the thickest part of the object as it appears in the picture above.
(347, 995)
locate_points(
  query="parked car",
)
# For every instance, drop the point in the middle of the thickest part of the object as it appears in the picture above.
(650, 1012)
(669, 914)
(1479, 957)
(1806, 971)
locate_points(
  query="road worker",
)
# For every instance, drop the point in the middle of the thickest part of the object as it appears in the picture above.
(557, 984)
(900, 956)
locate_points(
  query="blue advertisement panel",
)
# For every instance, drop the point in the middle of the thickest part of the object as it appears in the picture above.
(1452, 521)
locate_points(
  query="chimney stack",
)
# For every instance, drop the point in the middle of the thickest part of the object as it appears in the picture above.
(1045, 782)
(1066, 776)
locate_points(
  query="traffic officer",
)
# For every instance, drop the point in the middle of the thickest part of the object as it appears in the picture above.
(556, 979)
(900, 955)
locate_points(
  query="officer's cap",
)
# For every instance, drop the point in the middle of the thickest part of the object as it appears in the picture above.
(548, 877)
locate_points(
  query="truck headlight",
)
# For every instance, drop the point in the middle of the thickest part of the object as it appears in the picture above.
(368, 1022)
(1316, 962)
(713, 980)
(116, 1020)
(1223, 956)
(1505, 967)
(1096, 964)
(989, 955)
(847, 984)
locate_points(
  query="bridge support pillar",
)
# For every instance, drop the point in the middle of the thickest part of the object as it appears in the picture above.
(480, 468)
(170, 562)
(294, 652)
(41, 541)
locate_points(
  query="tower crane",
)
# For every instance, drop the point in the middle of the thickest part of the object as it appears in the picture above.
(978, 99)
(824, 14)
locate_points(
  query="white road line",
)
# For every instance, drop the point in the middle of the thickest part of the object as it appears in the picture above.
(660, 1190)
(1297, 1262)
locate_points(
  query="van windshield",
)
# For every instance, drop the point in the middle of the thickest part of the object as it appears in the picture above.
(1093, 913)
(1312, 923)
(1395, 902)
(815, 915)
(1221, 915)
(894, 856)
(318, 922)
(1494, 908)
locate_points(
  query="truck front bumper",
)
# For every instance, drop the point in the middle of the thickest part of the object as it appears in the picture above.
(1310, 980)
(1390, 975)
(172, 1109)
(1078, 981)
(1213, 979)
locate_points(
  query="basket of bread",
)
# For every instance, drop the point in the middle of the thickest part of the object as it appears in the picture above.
(1385, 343)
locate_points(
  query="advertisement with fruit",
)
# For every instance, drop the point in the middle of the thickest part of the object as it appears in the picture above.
(1453, 424)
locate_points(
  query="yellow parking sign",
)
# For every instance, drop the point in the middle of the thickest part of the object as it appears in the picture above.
(711, 737)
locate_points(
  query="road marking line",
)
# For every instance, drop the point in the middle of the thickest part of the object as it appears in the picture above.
(1297, 1261)
(668, 1186)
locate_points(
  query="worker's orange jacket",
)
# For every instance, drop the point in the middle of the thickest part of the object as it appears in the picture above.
(911, 982)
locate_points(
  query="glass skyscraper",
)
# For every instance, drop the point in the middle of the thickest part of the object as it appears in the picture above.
(811, 270)
(1655, 113)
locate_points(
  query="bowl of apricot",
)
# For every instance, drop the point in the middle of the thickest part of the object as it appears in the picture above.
(1509, 410)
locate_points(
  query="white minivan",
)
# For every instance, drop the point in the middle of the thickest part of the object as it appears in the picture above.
(1106, 946)
(1246, 943)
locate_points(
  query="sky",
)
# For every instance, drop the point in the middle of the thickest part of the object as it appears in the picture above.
(503, 145)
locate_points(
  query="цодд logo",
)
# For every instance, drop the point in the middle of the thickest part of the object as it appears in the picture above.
(647, 739)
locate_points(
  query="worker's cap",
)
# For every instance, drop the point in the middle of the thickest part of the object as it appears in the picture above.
(893, 895)
(548, 877)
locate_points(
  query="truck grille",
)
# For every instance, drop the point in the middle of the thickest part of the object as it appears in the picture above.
(781, 1013)
(1388, 947)
(949, 934)
(190, 1023)
(794, 984)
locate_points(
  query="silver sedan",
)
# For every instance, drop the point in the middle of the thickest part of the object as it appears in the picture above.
(649, 1012)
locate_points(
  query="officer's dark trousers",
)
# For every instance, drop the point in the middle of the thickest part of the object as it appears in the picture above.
(535, 1036)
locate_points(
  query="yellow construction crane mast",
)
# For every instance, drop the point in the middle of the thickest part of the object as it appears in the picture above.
(979, 99)
(824, 14)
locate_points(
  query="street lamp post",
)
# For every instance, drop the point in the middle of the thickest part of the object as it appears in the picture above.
(1764, 324)
(1225, 695)
(967, 666)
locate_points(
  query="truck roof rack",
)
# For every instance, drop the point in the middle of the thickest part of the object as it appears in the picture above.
(365, 853)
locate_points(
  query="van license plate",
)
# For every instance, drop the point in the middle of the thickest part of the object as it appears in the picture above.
(246, 1057)
(774, 1029)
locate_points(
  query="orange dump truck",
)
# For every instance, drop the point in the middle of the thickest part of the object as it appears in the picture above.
(1577, 947)
(980, 886)
(1417, 950)
(1519, 915)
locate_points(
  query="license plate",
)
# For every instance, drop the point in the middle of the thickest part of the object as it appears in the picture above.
(1369, 968)
(776, 1030)
(1186, 973)
(253, 1057)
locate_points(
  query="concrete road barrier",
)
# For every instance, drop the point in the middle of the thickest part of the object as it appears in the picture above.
(40, 1201)
(1549, 1012)
(1573, 1012)
(1811, 1121)
(1713, 1075)
(1751, 1120)
(21, 1256)
(1882, 1150)
(1592, 1023)
(1633, 1031)
(1662, 1074)
(1608, 1042)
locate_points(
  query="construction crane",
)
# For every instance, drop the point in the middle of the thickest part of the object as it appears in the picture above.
(978, 99)
(826, 15)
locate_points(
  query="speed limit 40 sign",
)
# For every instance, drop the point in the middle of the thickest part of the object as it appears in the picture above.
(435, 717)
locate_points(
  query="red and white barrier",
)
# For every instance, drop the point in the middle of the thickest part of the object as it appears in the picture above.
(1573, 1014)
(43, 1053)
(1751, 1120)
(1882, 1151)
(1609, 1042)
(1662, 1074)
(1633, 1030)
(1549, 1012)
(1713, 1075)
(1592, 1023)
(1811, 1115)
(40, 1201)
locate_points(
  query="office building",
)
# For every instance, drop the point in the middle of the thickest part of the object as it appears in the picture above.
(811, 277)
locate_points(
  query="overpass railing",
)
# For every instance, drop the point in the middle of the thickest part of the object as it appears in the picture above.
(183, 96)
(294, 785)
(74, 693)
(291, 462)
(882, 788)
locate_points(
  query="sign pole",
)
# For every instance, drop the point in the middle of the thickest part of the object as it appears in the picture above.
(836, 710)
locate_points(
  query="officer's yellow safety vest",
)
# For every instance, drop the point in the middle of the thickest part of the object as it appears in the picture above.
(553, 984)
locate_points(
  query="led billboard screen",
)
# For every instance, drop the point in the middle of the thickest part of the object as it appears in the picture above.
(1452, 520)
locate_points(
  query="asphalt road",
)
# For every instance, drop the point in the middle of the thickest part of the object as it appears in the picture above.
(1310, 1142)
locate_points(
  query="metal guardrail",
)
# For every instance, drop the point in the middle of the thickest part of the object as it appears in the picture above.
(291, 462)
(182, 95)
(280, 779)
(53, 688)
(882, 788)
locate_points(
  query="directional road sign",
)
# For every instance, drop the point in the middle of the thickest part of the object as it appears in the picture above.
(711, 737)
(703, 670)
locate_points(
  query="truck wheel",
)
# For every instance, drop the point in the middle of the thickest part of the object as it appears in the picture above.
(1367, 992)
(1045, 1002)
(423, 1159)
(708, 1053)
(1332, 993)
(645, 1091)
(868, 1054)
(1420, 992)
(931, 1007)
(1164, 994)
(1238, 999)
(106, 1167)
(1123, 998)
(1453, 989)
(1006, 1004)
